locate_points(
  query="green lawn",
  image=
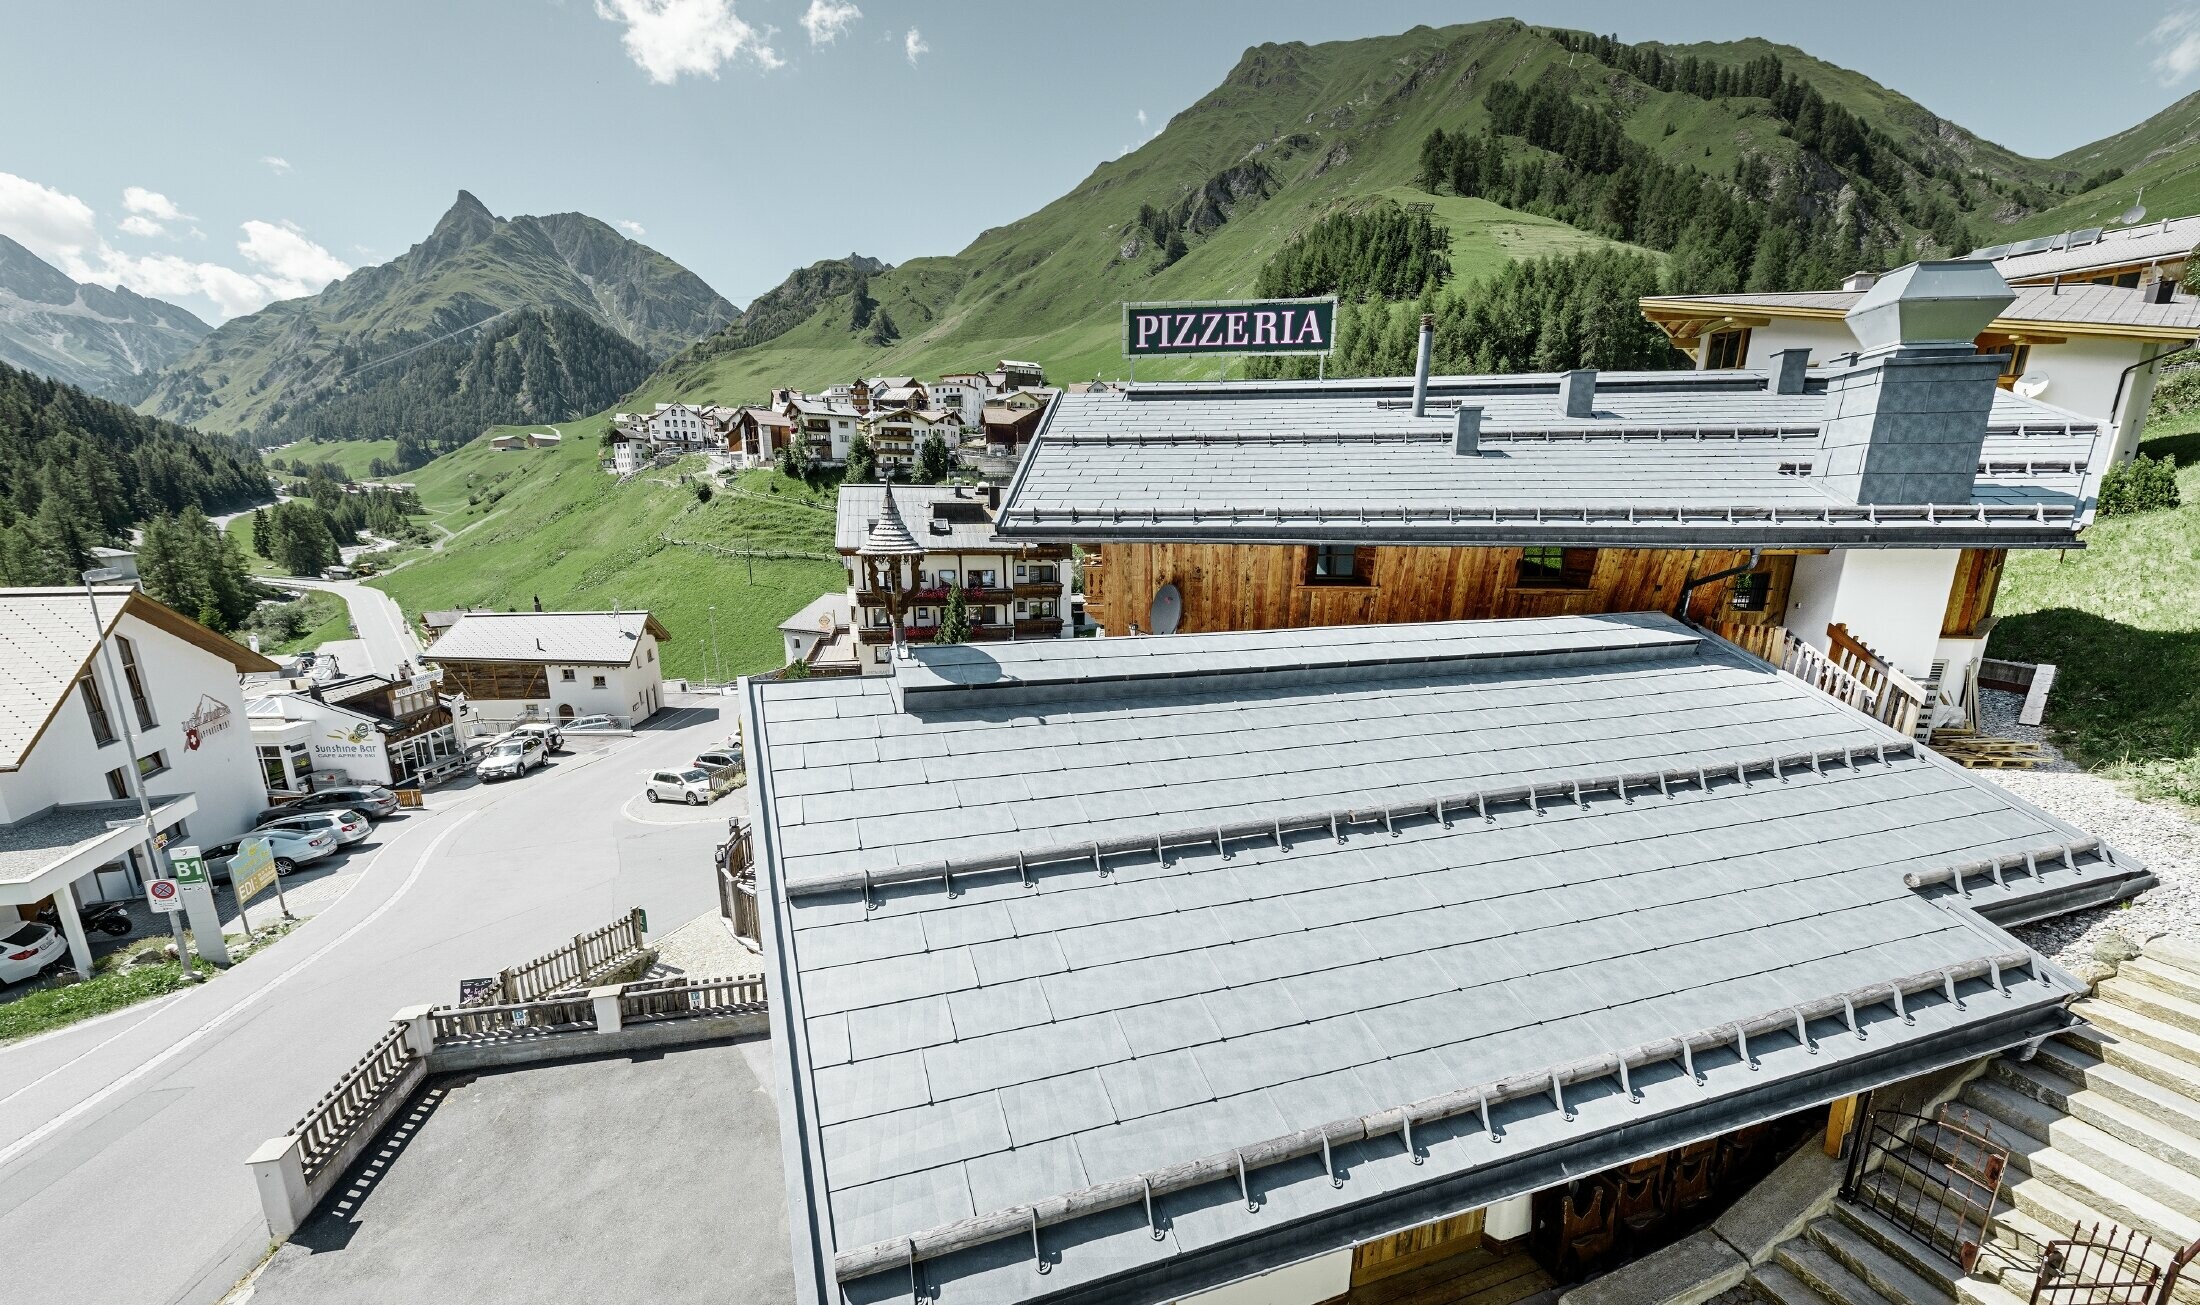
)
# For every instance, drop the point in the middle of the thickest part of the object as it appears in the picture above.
(2121, 621)
(354, 456)
(327, 618)
(113, 985)
(548, 524)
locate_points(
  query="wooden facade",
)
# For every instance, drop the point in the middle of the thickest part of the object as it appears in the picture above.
(1286, 586)
(497, 681)
(1971, 596)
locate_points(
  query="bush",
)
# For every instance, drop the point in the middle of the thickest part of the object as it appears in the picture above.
(2140, 485)
(2175, 395)
(702, 491)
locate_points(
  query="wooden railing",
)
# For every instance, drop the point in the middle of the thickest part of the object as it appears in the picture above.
(573, 965)
(1846, 671)
(458, 1024)
(737, 880)
(346, 1108)
(678, 1000)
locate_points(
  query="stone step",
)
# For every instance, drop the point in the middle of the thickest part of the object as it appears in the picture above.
(2174, 1180)
(2182, 953)
(1921, 1259)
(2013, 1236)
(1773, 1283)
(1888, 1275)
(2149, 1116)
(2154, 1003)
(2127, 1025)
(1827, 1275)
(2062, 1193)
(2120, 1067)
(1985, 1291)
(2174, 980)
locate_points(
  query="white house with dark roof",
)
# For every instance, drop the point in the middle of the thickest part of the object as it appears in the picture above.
(2089, 348)
(68, 820)
(1131, 970)
(825, 428)
(1014, 589)
(1879, 494)
(515, 666)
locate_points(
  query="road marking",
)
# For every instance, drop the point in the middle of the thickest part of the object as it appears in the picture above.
(191, 1039)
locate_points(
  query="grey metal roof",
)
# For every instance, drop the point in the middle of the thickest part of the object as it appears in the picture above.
(29, 846)
(46, 637)
(1063, 927)
(2165, 239)
(1669, 458)
(938, 518)
(585, 638)
(2101, 305)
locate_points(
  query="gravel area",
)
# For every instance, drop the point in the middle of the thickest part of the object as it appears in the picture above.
(705, 947)
(2161, 837)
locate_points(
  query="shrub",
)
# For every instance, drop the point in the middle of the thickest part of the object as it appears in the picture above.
(2140, 485)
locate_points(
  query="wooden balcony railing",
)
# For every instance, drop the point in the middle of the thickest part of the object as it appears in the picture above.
(1847, 671)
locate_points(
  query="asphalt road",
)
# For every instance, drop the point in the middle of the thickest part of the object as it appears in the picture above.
(123, 1140)
(388, 637)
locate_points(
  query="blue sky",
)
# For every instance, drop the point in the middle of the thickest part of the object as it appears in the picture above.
(222, 153)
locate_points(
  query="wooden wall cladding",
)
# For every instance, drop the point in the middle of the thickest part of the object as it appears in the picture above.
(1266, 587)
(497, 681)
(1971, 596)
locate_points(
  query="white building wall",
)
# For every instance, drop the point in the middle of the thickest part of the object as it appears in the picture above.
(1893, 599)
(1304, 1283)
(634, 691)
(67, 766)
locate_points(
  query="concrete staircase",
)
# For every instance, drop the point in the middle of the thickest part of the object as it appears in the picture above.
(2102, 1126)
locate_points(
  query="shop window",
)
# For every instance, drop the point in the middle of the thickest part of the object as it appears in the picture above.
(95, 707)
(135, 681)
(1556, 568)
(1726, 350)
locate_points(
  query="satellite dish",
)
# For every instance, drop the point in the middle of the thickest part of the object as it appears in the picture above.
(1167, 611)
(2031, 385)
(2137, 213)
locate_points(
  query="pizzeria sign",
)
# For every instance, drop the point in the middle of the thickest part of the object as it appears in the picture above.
(1275, 326)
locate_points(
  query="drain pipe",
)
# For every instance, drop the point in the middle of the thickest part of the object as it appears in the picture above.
(1420, 368)
(1695, 582)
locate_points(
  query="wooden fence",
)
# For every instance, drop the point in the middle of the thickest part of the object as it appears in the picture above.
(340, 1113)
(680, 999)
(737, 880)
(589, 955)
(1847, 671)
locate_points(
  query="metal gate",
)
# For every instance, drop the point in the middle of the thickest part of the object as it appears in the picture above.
(1936, 1176)
(2101, 1265)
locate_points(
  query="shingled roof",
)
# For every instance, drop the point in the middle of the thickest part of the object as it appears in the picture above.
(581, 638)
(1676, 459)
(1119, 969)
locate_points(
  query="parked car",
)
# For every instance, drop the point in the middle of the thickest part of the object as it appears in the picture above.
(592, 723)
(370, 800)
(348, 825)
(292, 848)
(689, 786)
(719, 759)
(511, 758)
(27, 949)
(552, 737)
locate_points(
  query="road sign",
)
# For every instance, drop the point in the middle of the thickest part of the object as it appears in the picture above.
(187, 865)
(163, 895)
(252, 869)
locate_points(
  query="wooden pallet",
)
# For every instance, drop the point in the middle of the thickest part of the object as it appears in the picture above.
(1968, 747)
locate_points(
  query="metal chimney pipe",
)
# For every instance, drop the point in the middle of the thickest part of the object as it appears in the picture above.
(1466, 435)
(1420, 366)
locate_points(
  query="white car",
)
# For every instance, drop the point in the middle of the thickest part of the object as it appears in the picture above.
(348, 826)
(689, 786)
(551, 737)
(291, 848)
(511, 758)
(592, 723)
(28, 949)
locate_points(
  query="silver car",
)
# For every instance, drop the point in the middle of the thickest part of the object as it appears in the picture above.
(348, 826)
(511, 758)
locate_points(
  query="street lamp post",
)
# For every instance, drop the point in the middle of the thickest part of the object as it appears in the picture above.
(153, 860)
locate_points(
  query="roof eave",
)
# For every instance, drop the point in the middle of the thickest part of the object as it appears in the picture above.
(1566, 535)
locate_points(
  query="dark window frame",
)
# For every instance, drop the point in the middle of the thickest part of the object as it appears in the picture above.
(95, 711)
(1338, 564)
(1544, 567)
(134, 680)
(1726, 350)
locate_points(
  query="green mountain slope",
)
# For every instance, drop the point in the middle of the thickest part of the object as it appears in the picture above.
(1295, 130)
(549, 524)
(256, 371)
(109, 342)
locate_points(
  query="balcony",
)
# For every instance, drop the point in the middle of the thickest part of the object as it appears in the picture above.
(1039, 627)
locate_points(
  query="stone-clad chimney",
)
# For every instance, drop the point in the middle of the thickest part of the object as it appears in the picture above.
(1905, 420)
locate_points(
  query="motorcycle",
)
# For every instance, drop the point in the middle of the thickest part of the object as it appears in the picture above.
(109, 918)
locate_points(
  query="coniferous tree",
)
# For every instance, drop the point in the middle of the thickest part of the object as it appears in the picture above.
(862, 466)
(954, 618)
(934, 462)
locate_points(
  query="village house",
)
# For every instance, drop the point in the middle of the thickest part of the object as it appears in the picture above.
(1011, 419)
(822, 637)
(363, 729)
(756, 435)
(827, 429)
(897, 436)
(70, 827)
(885, 393)
(1858, 512)
(1292, 966)
(515, 666)
(1014, 375)
(2084, 346)
(963, 395)
(681, 426)
(945, 533)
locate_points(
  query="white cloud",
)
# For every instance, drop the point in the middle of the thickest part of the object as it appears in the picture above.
(631, 227)
(288, 263)
(151, 203)
(62, 229)
(913, 45)
(669, 38)
(826, 19)
(1141, 119)
(2176, 41)
(275, 163)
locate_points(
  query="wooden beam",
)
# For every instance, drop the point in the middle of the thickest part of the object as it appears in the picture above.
(1840, 1118)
